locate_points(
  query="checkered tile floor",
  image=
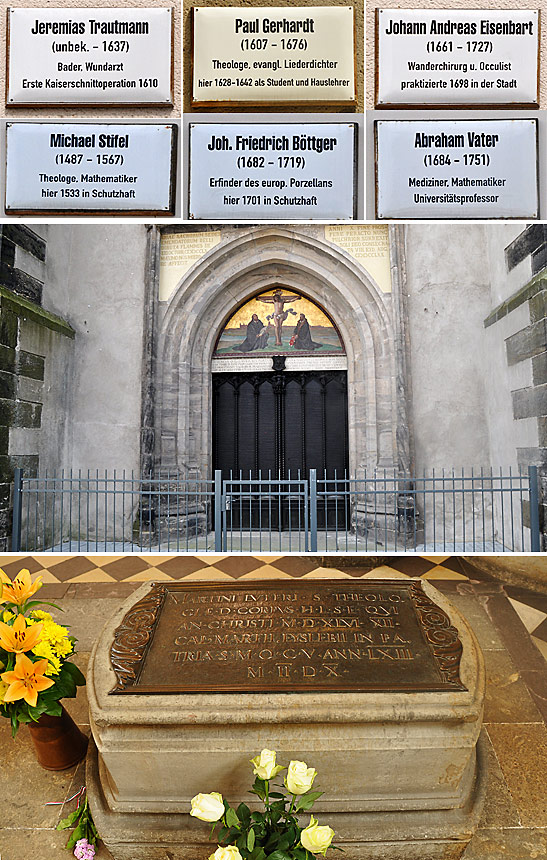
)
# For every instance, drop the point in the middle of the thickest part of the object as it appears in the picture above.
(136, 568)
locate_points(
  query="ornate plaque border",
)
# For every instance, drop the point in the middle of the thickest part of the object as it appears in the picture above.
(134, 636)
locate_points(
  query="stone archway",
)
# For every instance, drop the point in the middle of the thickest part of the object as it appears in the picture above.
(257, 260)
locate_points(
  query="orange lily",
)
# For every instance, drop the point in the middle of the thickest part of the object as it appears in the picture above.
(20, 589)
(26, 680)
(19, 637)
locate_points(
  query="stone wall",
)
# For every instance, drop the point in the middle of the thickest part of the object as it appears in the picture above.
(516, 331)
(35, 347)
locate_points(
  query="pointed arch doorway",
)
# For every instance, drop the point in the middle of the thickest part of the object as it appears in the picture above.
(280, 408)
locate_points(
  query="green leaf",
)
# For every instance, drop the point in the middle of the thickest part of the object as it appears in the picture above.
(77, 833)
(232, 819)
(14, 722)
(284, 842)
(251, 839)
(259, 794)
(258, 853)
(272, 841)
(33, 603)
(307, 800)
(77, 675)
(244, 813)
(279, 855)
(277, 794)
(69, 820)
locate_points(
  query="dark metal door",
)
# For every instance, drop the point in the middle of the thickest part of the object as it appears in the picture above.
(281, 423)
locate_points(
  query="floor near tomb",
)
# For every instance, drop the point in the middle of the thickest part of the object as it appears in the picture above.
(510, 623)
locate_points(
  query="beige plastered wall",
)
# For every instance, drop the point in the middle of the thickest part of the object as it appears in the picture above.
(79, 111)
(358, 6)
(454, 4)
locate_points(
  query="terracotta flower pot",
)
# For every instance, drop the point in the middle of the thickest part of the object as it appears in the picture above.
(58, 741)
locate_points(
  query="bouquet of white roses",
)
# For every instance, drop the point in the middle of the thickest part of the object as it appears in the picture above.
(274, 834)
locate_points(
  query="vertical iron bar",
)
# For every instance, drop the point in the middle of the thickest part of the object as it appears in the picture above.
(218, 511)
(17, 510)
(502, 512)
(313, 510)
(535, 545)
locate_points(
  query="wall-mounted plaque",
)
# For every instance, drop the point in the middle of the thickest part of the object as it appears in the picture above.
(456, 168)
(286, 636)
(273, 55)
(273, 170)
(440, 57)
(83, 167)
(90, 56)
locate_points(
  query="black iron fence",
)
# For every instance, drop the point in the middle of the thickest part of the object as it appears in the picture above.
(463, 510)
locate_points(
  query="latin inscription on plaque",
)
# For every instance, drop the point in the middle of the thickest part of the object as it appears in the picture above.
(436, 57)
(272, 170)
(359, 636)
(89, 56)
(273, 55)
(456, 168)
(89, 168)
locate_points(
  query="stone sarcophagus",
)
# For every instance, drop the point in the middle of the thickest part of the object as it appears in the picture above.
(378, 684)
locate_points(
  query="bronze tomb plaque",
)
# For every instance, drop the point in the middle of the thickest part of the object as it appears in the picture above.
(360, 636)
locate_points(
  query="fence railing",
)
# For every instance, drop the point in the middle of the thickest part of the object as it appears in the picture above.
(464, 510)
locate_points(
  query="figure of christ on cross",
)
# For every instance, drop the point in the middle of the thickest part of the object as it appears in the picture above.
(278, 300)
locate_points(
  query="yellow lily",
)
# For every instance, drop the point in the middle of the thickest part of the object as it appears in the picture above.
(20, 589)
(19, 637)
(26, 680)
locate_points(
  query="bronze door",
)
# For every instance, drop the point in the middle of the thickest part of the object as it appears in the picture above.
(282, 424)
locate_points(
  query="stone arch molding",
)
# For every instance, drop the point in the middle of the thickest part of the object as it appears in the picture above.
(225, 277)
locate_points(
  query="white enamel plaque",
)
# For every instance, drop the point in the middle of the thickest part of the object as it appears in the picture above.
(272, 170)
(82, 167)
(89, 56)
(273, 55)
(456, 169)
(434, 57)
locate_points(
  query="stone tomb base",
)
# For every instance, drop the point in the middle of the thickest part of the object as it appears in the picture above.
(403, 773)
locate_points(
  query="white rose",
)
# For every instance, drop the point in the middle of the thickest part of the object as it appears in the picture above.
(316, 839)
(228, 853)
(300, 777)
(265, 766)
(207, 807)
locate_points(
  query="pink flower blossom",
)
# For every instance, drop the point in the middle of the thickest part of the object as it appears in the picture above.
(83, 850)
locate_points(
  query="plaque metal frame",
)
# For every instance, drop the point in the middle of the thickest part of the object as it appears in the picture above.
(451, 105)
(101, 104)
(461, 217)
(120, 213)
(199, 104)
(134, 636)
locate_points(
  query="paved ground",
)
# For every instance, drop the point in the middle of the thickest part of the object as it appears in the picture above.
(514, 823)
